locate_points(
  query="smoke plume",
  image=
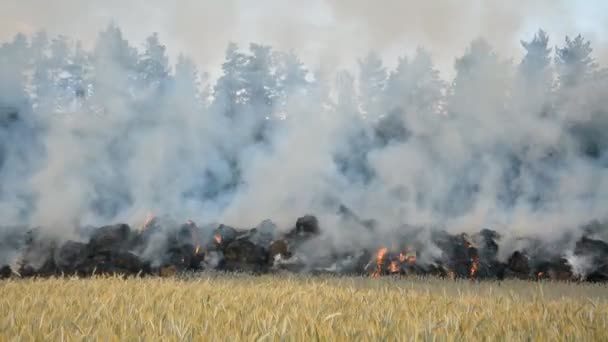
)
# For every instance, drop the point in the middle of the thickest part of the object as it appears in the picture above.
(97, 129)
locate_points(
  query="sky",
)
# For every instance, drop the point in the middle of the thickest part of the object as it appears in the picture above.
(325, 33)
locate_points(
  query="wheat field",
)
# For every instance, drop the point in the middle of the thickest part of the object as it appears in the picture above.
(213, 307)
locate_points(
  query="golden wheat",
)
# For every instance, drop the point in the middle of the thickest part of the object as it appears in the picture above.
(228, 307)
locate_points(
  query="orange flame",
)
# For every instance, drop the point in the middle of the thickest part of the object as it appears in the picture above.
(379, 261)
(540, 274)
(474, 267)
(218, 239)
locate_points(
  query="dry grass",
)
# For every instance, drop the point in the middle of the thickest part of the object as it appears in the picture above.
(222, 307)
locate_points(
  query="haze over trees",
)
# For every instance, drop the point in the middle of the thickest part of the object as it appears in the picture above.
(108, 133)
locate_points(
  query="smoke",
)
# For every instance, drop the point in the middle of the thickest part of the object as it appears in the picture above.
(320, 31)
(111, 132)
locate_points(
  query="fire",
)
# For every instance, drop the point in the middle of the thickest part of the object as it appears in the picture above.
(411, 259)
(540, 274)
(379, 261)
(197, 250)
(218, 239)
(474, 266)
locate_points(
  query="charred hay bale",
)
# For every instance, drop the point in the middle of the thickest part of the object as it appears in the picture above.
(554, 269)
(71, 256)
(183, 247)
(184, 257)
(167, 271)
(244, 255)
(5, 272)
(307, 224)
(224, 235)
(278, 248)
(518, 266)
(591, 247)
(113, 262)
(487, 249)
(187, 234)
(306, 228)
(127, 263)
(111, 238)
(263, 234)
(197, 260)
(459, 254)
(595, 252)
(598, 275)
(486, 242)
(37, 258)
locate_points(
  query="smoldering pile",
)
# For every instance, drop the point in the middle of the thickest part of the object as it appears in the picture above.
(164, 248)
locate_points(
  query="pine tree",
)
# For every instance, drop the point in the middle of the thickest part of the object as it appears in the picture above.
(480, 71)
(581, 96)
(535, 67)
(153, 64)
(291, 76)
(415, 86)
(346, 95)
(574, 62)
(115, 66)
(535, 76)
(14, 62)
(351, 156)
(372, 82)
(186, 92)
(230, 87)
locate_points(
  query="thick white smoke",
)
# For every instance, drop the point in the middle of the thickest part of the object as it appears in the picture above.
(110, 132)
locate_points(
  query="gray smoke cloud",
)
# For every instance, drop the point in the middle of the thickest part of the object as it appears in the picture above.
(320, 31)
(476, 151)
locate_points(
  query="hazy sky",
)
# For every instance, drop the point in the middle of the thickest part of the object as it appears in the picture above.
(333, 32)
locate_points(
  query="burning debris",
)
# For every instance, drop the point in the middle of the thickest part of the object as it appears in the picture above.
(165, 248)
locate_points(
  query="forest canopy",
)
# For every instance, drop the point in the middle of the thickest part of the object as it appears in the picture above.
(109, 133)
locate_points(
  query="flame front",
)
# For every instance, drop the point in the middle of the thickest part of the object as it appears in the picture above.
(379, 261)
(474, 267)
(198, 250)
(218, 239)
